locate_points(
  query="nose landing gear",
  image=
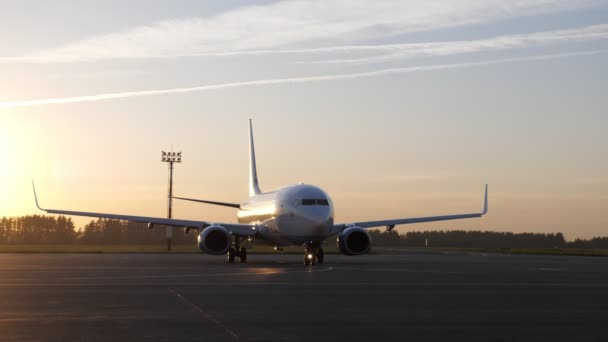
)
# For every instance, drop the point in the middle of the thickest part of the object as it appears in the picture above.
(313, 253)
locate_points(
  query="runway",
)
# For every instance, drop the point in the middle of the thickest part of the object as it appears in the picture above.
(395, 296)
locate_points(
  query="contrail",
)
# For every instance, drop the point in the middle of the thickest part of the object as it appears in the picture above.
(406, 70)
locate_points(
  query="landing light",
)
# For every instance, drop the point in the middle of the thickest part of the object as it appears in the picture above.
(309, 256)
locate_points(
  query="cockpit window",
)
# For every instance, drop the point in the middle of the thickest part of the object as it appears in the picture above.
(315, 202)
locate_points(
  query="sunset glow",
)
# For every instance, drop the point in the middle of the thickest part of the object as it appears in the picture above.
(411, 119)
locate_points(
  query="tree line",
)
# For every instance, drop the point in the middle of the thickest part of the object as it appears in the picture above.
(471, 239)
(40, 229)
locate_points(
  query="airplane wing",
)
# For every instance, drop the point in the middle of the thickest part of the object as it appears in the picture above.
(223, 204)
(390, 224)
(236, 229)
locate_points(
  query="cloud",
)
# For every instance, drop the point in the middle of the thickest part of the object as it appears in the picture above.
(381, 72)
(291, 24)
(404, 51)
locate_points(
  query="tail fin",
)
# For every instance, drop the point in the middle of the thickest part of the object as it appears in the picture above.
(254, 188)
(484, 209)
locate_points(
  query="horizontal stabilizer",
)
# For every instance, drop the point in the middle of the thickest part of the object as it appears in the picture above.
(223, 204)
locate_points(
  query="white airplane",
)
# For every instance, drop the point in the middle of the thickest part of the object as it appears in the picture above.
(298, 214)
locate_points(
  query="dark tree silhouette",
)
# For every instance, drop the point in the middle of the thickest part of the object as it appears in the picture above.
(37, 229)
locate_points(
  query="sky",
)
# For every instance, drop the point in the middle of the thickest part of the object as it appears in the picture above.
(396, 108)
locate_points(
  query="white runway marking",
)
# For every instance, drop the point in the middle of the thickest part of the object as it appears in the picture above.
(205, 315)
(264, 271)
(394, 270)
(469, 285)
(548, 269)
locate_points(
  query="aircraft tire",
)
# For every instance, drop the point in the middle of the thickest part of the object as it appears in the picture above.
(243, 255)
(320, 256)
(231, 255)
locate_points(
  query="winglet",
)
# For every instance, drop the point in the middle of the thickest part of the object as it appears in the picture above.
(36, 196)
(254, 188)
(484, 209)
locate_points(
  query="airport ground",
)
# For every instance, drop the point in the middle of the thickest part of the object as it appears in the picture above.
(397, 295)
(330, 248)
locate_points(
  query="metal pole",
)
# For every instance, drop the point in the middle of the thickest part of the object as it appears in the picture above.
(169, 230)
(170, 203)
(171, 158)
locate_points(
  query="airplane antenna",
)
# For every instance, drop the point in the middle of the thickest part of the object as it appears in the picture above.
(170, 158)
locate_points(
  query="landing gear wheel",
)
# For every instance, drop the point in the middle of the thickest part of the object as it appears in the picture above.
(306, 259)
(310, 257)
(231, 255)
(320, 256)
(243, 255)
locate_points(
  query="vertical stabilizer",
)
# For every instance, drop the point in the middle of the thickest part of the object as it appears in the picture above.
(254, 188)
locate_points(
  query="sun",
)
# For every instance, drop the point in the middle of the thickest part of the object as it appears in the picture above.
(12, 173)
(6, 153)
(6, 170)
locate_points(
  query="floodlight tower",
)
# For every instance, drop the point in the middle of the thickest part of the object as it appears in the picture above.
(171, 158)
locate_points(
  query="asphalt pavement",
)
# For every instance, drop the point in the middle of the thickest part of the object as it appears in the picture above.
(394, 296)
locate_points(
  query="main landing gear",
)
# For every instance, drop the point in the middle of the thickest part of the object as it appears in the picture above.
(237, 252)
(313, 253)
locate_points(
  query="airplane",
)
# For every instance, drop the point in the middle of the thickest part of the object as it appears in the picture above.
(299, 214)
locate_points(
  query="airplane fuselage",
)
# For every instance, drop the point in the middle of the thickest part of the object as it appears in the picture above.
(294, 214)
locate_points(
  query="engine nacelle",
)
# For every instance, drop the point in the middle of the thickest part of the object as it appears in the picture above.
(214, 240)
(354, 241)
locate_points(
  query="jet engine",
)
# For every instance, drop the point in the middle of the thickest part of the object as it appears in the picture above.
(214, 240)
(354, 241)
